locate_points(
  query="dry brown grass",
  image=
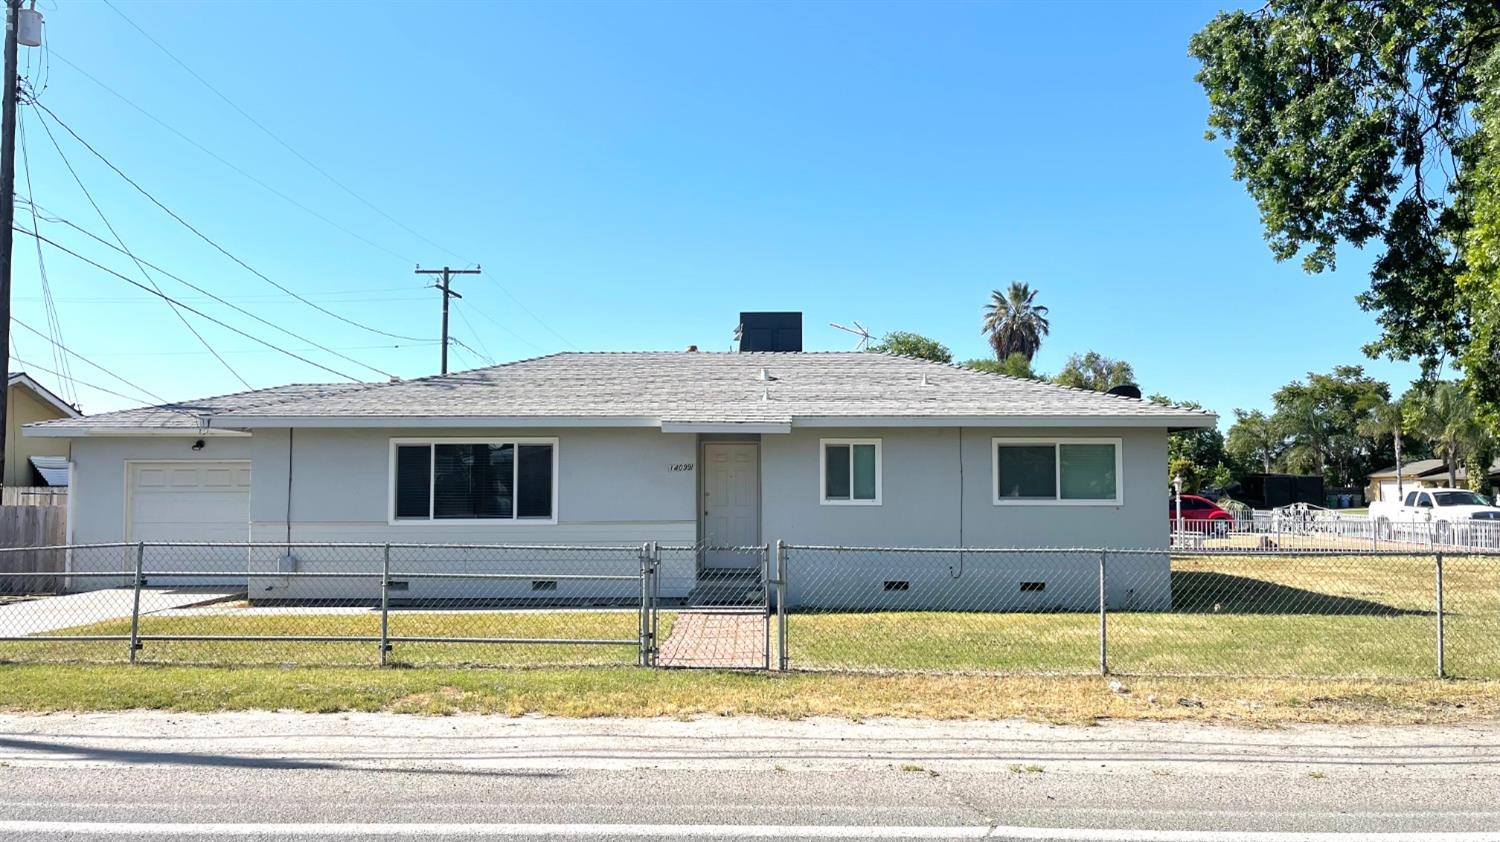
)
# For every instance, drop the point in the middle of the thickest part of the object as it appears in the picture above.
(627, 692)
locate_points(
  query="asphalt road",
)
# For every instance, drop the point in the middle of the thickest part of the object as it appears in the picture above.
(371, 777)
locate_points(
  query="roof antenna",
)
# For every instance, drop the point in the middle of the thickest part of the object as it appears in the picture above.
(858, 330)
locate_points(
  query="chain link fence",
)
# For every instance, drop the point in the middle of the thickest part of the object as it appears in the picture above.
(1242, 610)
(331, 604)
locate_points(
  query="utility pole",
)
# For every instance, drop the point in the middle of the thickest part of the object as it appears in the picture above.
(8, 194)
(446, 287)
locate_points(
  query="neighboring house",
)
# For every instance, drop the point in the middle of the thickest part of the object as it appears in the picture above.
(723, 449)
(1423, 473)
(31, 461)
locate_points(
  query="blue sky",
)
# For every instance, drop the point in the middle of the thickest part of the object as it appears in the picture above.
(631, 176)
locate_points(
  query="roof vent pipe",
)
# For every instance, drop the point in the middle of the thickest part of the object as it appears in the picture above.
(765, 376)
(925, 381)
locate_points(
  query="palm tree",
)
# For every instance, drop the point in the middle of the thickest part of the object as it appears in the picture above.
(1255, 435)
(1445, 417)
(1384, 420)
(1014, 322)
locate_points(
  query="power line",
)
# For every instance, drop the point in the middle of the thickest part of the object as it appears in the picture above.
(65, 250)
(93, 386)
(190, 285)
(147, 275)
(143, 390)
(534, 316)
(49, 305)
(288, 147)
(205, 150)
(205, 238)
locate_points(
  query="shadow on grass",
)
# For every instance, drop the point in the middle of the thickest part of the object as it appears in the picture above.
(1208, 592)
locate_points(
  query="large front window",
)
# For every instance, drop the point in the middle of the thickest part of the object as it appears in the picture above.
(1071, 471)
(485, 480)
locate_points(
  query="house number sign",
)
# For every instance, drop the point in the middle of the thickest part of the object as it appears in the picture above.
(682, 466)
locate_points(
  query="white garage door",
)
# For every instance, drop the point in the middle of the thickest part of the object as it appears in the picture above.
(191, 502)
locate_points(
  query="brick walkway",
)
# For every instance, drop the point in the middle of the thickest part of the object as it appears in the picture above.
(708, 638)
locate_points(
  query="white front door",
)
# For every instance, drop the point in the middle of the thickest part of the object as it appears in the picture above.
(731, 503)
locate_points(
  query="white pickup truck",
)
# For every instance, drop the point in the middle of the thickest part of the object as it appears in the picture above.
(1451, 512)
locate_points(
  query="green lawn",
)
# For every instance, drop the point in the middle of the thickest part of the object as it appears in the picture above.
(1244, 615)
(234, 620)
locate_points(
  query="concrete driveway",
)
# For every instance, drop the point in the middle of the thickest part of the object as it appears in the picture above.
(52, 613)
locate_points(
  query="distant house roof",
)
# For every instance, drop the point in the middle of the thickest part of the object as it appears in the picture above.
(1426, 468)
(183, 416)
(682, 391)
(26, 381)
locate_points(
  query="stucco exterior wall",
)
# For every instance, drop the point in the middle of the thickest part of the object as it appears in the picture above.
(614, 487)
(937, 492)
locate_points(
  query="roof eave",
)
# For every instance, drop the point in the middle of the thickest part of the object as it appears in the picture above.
(1170, 422)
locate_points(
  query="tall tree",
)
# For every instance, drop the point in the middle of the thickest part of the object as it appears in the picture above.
(1014, 322)
(907, 344)
(1384, 421)
(1443, 414)
(1255, 437)
(1353, 122)
(1320, 420)
(1094, 371)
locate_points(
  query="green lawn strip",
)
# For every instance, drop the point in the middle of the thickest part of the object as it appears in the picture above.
(597, 625)
(637, 692)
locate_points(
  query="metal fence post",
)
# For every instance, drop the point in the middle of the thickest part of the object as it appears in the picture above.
(135, 609)
(1103, 621)
(781, 565)
(1438, 567)
(765, 597)
(385, 605)
(655, 615)
(643, 625)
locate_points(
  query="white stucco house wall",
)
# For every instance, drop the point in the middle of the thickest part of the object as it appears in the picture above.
(689, 448)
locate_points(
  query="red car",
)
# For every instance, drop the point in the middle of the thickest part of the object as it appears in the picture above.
(1199, 514)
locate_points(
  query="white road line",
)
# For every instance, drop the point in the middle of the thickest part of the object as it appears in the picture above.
(693, 831)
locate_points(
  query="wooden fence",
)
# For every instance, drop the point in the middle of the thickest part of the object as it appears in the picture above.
(32, 526)
(25, 495)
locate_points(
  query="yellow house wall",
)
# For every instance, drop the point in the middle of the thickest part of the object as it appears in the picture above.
(25, 408)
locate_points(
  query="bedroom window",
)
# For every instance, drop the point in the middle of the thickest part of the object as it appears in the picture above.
(475, 481)
(850, 472)
(1057, 471)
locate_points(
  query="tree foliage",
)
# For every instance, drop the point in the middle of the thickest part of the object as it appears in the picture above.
(1198, 456)
(1255, 439)
(907, 344)
(1094, 371)
(1015, 365)
(1349, 121)
(1014, 322)
(1443, 414)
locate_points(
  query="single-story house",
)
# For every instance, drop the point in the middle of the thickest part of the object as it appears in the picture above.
(688, 448)
(1420, 473)
(33, 461)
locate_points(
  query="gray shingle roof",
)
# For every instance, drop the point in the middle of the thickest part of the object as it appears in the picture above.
(185, 414)
(699, 387)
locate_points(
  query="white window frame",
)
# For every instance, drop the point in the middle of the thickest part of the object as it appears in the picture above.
(823, 497)
(1057, 500)
(432, 482)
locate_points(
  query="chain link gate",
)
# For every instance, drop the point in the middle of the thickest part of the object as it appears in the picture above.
(713, 615)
